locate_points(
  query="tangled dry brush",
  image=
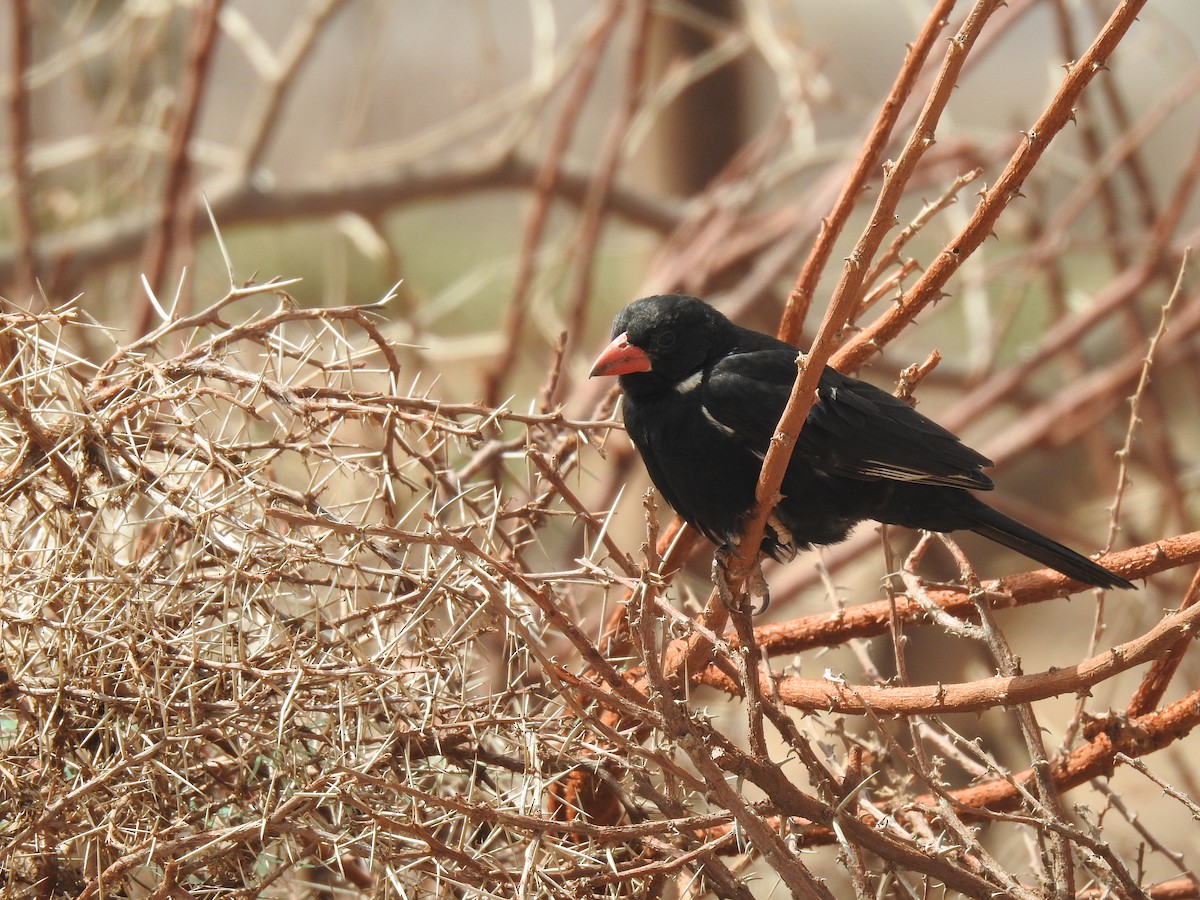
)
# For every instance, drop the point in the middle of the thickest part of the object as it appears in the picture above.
(269, 604)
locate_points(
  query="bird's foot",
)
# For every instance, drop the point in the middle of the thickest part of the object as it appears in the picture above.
(754, 586)
(720, 576)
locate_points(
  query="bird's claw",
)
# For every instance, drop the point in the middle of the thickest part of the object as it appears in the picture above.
(754, 586)
(720, 577)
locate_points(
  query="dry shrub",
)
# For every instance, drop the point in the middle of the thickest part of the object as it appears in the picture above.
(258, 616)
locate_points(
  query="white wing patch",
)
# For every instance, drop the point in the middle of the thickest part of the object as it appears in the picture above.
(690, 383)
(716, 423)
(876, 469)
(892, 473)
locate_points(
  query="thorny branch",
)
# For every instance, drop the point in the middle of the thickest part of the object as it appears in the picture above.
(288, 608)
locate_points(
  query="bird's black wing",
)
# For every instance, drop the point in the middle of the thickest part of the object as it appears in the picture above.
(854, 430)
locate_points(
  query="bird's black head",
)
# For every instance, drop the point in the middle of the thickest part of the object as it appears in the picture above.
(660, 341)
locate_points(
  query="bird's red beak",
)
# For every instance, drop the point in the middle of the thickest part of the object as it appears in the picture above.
(621, 358)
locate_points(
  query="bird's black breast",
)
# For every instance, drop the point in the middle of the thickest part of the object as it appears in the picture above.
(705, 459)
(706, 475)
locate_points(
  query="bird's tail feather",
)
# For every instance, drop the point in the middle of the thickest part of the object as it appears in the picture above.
(1007, 531)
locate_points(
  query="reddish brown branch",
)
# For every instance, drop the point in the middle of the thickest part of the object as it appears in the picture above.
(974, 696)
(1154, 685)
(1174, 889)
(1110, 739)
(871, 619)
(1057, 114)
(1097, 758)
(868, 158)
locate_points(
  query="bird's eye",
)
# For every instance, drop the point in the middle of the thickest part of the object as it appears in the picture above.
(664, 340)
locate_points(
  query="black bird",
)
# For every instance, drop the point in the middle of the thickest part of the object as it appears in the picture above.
(703, 397)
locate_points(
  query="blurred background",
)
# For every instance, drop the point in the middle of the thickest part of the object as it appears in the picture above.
(509, 174)
(362, 143)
